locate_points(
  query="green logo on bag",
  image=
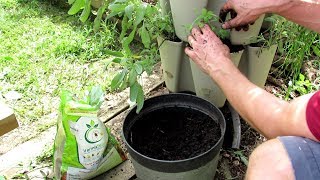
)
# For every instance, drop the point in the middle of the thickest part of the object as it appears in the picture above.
(93, 134)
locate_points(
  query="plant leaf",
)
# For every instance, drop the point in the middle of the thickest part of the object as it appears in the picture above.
(316, 50)
(138, 68)
(242, 157)
(140, 99)
(127, 40)
(97, 20)
(114, 53)
(301, 77)
(117, 8)
(115, 60)
(124, 27)
(92, 123)
(134, 91)
(132, 76)
(124, 60)
(117, 80)
(111, 15)
(124, 84)
(76, 7)
(88, 125)
(86, 11)
(128, 11)
(96, 125)
(145, 37)
(140, 14)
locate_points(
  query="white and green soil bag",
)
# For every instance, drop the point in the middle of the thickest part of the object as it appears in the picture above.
(84, 146)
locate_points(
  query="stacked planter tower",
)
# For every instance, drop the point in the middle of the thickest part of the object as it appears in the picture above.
(167, 112)
(182, 75)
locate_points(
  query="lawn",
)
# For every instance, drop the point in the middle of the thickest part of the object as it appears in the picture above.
(44, 50)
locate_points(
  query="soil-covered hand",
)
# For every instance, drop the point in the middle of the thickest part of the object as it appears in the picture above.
(247, 11)
(207, 50)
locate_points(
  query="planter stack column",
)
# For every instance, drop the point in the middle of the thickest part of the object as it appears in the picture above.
(181, 74)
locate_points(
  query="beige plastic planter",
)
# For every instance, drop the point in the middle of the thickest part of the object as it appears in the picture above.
(176, 66)
(256, 63)
(206, 88)
(184, 12)
(165, 7)
(246, 37)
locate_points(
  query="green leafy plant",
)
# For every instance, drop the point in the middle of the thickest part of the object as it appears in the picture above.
(86, 10)
(145, 22)
(78, 5)
(301, 85)
(295, 45)
(208, 17)
(243, 158)
(268, 37)
(316, 48)
(133, 67)
(160, 25)
(140, 21)
(133, 14)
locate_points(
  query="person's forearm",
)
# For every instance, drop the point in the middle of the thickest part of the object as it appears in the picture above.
(303, 12)
(259, 108)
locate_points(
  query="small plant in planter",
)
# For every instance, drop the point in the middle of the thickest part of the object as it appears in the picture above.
(171, 53)
(205, 87)
(186, 11)
(259, 57)
(208, 17)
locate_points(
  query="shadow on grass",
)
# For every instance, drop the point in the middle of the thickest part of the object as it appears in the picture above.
(53, 9)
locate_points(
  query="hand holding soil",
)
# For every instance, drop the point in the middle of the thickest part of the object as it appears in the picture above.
(207, 50)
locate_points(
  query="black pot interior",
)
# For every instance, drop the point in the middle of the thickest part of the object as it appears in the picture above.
(164, 125)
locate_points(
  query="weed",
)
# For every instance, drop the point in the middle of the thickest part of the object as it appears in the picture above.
(243, 158)
(45, 156)
(301, 85)
(295, 45)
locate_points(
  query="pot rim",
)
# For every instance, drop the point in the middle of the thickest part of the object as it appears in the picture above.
(183, 160)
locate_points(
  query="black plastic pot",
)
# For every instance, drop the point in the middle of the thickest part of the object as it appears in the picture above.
(202, 166)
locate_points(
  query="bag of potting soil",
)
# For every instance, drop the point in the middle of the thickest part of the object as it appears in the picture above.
(84, 146)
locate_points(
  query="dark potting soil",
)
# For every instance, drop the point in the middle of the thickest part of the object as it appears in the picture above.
(174, 133)
(233, 48)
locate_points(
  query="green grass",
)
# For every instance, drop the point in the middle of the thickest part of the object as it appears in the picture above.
(43, 50)
(295, 46)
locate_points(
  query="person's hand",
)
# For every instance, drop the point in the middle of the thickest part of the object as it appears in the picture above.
(244, 12)
(207, 51)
